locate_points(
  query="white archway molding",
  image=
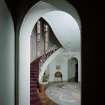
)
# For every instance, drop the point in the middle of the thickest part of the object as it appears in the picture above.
(63, 5)
(37, 11)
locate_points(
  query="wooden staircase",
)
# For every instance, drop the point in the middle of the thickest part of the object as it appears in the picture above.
(34, 77)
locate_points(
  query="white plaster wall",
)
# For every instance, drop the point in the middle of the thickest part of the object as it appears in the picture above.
(48, 61)
(69, 36)
(62, 59)
(6, 56)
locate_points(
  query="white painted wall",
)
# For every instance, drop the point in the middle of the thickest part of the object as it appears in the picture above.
(69, 37)
(59, 60)
(62, 59)
(6, 56)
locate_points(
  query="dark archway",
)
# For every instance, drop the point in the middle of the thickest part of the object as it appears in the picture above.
(76, 72)
(73, 69)
(74, 60)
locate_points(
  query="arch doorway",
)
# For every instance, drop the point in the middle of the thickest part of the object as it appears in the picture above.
(73, 70)
(52, 13)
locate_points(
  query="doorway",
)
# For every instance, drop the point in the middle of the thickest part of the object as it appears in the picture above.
(76, 72)
(73, 70)
(49, 11)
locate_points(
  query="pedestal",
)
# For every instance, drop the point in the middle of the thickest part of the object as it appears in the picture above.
(42, 89)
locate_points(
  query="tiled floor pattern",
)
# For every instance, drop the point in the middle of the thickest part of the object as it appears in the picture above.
(65, 93)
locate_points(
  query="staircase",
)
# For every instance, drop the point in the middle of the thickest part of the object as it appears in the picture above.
(34, 76)
(48, 53)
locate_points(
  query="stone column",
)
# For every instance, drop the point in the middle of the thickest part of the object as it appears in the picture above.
(38, 34)
(46, 30)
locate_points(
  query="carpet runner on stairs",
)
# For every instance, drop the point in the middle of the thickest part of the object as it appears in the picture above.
(34, 76)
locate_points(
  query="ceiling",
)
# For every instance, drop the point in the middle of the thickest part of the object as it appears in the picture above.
(66, 29)
(19, 8)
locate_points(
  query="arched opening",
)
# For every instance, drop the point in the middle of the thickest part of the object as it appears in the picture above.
(73, 69)
(52, 15)
(76, 72)
(43, 44)
(42, 39)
